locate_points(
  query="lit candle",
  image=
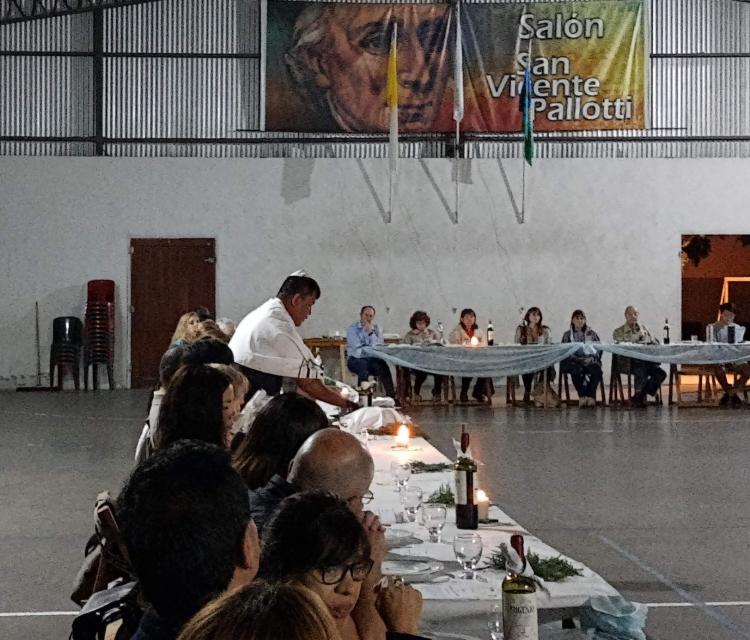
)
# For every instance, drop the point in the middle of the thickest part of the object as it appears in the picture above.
(474, 341)
(402, 437)
(483, 505)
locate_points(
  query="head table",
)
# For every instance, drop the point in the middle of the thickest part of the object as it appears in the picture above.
(516, 359)
(456, 607)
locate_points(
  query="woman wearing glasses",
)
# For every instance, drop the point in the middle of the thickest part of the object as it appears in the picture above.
(315, 540)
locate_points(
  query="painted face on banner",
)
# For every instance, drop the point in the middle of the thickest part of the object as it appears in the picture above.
(350, 64)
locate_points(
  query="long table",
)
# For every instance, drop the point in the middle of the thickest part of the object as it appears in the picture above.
(450, 608)
(514, 359)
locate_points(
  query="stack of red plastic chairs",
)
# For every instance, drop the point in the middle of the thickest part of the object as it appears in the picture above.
(99, 331)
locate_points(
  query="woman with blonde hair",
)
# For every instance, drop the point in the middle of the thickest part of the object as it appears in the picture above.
(263, 611)
(188, 327)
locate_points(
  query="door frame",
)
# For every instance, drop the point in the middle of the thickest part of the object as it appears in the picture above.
(128, 379)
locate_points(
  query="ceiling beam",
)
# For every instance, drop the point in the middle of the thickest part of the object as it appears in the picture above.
(12, 11)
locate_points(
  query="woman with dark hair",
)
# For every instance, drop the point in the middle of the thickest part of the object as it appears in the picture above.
(421, 334)
(533, 331)
(275, 435)
(198, 405)
(315, 540)
(468, 334)
(585, 370)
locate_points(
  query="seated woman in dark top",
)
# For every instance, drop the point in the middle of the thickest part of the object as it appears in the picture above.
(198, 405)
(584, 369)
(274, 437)
(421, 334)
(533, 331)
(315, 540)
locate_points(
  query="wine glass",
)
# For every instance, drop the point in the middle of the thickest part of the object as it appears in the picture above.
(495, 622)
(400, 472)
(468, 550)
(411, 499)
(433, 518)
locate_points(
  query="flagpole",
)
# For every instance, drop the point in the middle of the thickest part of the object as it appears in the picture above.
(523, 193)
(458, 99)
(455, 166)
(392, 100)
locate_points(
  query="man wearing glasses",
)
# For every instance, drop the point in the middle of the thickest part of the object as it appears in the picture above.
(329, 460)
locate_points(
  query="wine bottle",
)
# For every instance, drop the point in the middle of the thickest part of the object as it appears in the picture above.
(666, 330)
(490, 334)
(467, 514)
(519, 599)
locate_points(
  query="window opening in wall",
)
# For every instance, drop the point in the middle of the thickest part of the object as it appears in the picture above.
(715, 269)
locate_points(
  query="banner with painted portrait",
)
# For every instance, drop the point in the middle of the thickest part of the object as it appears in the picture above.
(326, 65)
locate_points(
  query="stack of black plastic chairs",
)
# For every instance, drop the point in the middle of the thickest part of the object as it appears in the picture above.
(65, 352)
(99, 331)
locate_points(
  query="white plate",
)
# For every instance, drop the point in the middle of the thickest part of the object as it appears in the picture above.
(396, 536)
(410, 568)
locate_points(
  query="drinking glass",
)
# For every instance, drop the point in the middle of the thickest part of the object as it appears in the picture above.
(468, 550)
(693, 338)
(433, 518)
(411, 499)
(495, 622)
(400, 472)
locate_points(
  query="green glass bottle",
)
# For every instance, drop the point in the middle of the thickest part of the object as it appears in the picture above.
(465, 469)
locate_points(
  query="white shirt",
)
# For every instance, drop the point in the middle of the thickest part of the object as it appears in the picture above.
(721, 332)
(267, 340)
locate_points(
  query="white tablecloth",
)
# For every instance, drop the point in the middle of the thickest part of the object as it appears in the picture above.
(512, 360)
(455, 604)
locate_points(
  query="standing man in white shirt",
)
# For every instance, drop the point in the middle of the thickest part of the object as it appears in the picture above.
(268, 347)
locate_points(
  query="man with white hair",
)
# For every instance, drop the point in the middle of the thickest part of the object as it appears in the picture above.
(227, 326)
(329, 460)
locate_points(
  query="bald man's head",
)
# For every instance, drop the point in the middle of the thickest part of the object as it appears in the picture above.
(335, 461)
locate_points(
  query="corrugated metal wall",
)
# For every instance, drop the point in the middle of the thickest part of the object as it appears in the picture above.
(190, 70)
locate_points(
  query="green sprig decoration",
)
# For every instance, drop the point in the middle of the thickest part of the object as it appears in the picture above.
(443, 495)
(548, 569)
(417, 466)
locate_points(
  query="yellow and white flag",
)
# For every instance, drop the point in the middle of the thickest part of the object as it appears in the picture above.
(392, 100)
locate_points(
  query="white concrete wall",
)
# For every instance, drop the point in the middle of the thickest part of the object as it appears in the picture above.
(598, 235)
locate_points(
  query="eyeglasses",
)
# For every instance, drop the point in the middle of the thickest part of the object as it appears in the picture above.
(333, 575)
(365, 498)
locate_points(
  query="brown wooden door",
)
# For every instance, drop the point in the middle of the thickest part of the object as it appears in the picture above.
(169, 276)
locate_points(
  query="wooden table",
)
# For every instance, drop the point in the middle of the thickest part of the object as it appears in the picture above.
(338, 342)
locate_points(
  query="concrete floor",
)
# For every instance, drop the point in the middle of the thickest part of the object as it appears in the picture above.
(656, 501)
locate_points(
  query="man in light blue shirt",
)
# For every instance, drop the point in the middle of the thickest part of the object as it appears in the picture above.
(366, 333)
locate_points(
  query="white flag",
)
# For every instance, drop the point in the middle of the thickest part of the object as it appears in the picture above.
(458, 71)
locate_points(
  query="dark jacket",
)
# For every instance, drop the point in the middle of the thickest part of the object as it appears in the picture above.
(153, 627)
(589, 335)
(265, 501)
